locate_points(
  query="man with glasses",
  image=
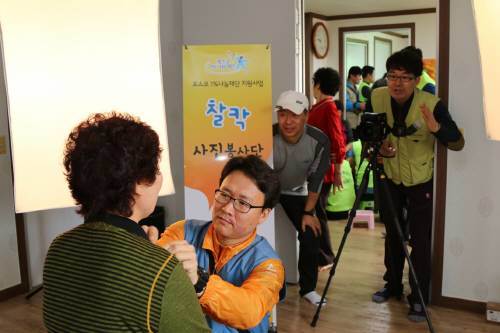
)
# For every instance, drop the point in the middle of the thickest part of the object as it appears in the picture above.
(236, 273)
(416, 119)
(302, 157)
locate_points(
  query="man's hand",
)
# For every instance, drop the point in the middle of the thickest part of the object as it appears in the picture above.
(429, 119)
(186, 254)
(151, 232)
(311, 222)
(338, 184)
(387, 149)
(337, 181)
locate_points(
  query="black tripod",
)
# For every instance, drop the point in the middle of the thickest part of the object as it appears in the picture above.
(373, 148)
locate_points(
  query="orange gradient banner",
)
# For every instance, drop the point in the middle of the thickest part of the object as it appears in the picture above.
(227, 112)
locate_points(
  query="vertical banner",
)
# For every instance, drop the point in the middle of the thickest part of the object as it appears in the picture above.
(227, 112)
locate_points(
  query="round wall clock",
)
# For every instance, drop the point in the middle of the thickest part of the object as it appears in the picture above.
(320, 40)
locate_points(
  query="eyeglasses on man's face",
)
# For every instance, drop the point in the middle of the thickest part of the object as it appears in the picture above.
(402, 78)
(240, 205)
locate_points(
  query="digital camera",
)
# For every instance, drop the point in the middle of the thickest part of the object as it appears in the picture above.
(373, 127)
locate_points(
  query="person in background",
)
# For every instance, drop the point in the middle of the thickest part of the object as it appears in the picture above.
(416, 119)
(239, 274)
(105, 275)
(382, 82)
(301, 158)
(325, 116)
(352, 103)
(426, 82)
(364, 87)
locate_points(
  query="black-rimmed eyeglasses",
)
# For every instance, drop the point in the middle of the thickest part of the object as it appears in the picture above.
(402, 78)
(240, 205)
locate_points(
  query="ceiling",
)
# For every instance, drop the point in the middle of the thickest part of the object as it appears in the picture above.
(346, 7)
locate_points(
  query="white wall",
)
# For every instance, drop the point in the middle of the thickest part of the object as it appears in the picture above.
(472, 230)
(425, 33)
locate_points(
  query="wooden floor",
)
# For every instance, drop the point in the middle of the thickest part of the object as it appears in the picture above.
(349, 308)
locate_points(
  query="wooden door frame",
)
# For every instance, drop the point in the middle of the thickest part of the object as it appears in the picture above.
(440, 172)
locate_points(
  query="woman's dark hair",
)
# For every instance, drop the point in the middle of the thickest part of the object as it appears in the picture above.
(266, 179)
(408, 59)
(328, 80)
(105, 157)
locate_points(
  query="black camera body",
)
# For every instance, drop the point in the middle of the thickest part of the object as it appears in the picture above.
(373, 127)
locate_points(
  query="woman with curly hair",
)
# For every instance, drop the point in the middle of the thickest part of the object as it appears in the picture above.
(105, 275)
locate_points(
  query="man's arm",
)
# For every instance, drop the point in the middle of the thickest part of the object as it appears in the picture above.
(321, 162)
(349, 107)
(244, 307)
(365, 92)
(336, 135)
(308, 220)
(172, 233)
(448, 133)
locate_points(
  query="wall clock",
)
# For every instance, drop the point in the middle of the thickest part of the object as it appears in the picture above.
(320, 40)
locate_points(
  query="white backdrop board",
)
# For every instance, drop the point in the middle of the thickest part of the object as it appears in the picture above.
(65, 60)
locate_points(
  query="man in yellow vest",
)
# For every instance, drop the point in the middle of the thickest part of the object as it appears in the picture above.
(416, 119)
(427, 83)
(365, 85)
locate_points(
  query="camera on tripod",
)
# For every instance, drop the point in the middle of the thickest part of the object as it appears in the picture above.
(373, 127)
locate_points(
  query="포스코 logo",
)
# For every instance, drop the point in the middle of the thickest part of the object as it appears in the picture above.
(232, 63)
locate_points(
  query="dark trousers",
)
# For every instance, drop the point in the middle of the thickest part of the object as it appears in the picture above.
(326, 255)
(308, 243)
(417, 201)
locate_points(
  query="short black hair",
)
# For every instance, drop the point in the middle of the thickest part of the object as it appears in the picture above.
(266, 179)
(328, 80)
(367, 70)
(414, 49)
(354, 71)
(105, 157)
(408, 59)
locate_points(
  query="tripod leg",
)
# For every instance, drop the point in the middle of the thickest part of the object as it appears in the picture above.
(397, 225)
(352, 214)
(394, 258)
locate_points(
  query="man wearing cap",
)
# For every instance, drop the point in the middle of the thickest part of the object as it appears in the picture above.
(301, 156)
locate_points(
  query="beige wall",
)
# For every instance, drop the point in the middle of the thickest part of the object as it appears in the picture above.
(471, 266)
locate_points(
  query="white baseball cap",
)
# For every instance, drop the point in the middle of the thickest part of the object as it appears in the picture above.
(293, 101)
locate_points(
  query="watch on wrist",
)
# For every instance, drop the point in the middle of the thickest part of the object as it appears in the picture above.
(309, 212)
(203, 277)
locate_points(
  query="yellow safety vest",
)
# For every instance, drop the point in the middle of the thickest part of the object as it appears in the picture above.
(414, 160)
(425, 78)
(360, 90)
